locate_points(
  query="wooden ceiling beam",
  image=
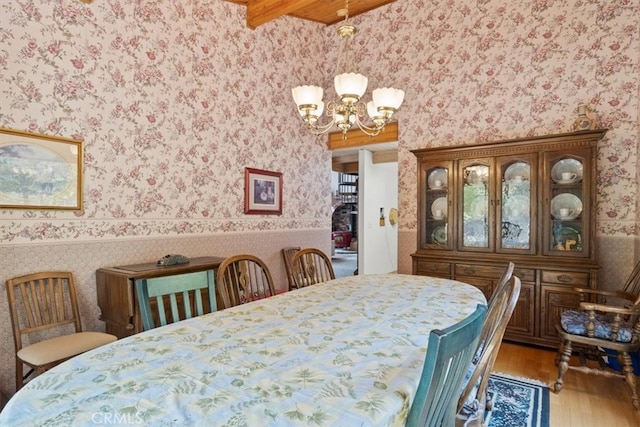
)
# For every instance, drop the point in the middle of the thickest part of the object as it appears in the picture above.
(324, 11)
(357, 138)
(262, 11)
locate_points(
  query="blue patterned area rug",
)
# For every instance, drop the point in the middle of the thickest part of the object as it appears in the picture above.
(518, 402)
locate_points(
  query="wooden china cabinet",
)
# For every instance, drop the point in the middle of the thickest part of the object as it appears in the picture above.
(527, 200)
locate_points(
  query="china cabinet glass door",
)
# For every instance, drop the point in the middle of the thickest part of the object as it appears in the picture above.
(567, 204)
(437, 202)
(476, 223)
(517, 189)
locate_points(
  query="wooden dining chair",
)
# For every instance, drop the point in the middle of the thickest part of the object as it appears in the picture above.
(599, 325)
(244, 278)
(45, 304)
(169, 299)
(449, 354)
(474, 401)
(287, 256)
(503, 281)
(311, 266)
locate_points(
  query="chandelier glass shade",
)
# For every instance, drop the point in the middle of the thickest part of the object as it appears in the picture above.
(350, 87)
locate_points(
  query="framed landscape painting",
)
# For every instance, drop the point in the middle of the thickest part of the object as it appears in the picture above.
(39, 171)
(262, 192)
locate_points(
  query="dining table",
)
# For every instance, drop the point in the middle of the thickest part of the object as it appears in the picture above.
(347, 352)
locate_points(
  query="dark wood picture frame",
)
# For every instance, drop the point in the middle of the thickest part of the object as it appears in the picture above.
(262, 192)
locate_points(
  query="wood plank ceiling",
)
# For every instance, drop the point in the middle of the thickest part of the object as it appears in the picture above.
(324, 11)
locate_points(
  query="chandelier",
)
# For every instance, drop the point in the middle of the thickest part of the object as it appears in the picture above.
(350, 87)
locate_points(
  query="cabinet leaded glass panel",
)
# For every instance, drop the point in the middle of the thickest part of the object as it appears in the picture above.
(436, 206)
(475, 206)
(515, 209)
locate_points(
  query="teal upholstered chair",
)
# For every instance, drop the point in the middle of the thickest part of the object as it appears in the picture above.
(449, 355)
(175, 298)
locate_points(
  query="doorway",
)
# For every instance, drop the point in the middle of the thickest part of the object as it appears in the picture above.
(355, 153)
(344, 224)
(365, 193)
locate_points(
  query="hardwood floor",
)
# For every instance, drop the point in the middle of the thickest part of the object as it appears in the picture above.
(585, 400)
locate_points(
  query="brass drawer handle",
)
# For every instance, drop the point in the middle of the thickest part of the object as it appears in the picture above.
(563, 278)
(469, 270)
(433, 268)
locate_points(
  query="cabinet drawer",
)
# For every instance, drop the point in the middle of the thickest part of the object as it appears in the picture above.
(525, 274)
(478, 270)
(566, 278)
(430, 268)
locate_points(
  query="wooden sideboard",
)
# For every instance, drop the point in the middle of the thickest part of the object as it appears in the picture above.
(117, 297)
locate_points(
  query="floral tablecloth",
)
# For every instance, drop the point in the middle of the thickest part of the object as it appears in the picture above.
(343, 353)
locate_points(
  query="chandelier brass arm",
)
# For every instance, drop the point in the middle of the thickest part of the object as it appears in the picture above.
(350, 87)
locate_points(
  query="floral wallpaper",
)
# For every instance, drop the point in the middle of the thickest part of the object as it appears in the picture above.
(488, 70)
(172, 100)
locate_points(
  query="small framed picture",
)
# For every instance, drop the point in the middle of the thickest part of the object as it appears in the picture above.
(39, 171)
(262, 192)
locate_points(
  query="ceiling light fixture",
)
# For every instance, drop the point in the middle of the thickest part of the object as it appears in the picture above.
(350, 88)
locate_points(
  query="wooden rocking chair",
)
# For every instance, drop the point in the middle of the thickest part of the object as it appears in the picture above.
(599, 325)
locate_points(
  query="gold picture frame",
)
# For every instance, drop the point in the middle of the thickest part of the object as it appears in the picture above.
(262, 192)
(39, 171)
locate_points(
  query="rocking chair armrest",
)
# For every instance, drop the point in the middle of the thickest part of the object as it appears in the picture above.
(633, 299)
(617, 318)
(633, 310)
(620, 294)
